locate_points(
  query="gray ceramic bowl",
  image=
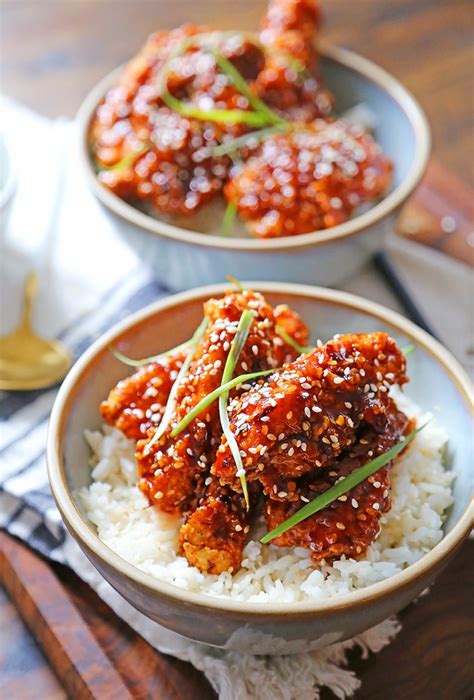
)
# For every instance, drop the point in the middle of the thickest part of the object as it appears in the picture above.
(183, 258)
(437, 381)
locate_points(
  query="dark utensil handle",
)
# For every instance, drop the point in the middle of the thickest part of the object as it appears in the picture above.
(386, 269)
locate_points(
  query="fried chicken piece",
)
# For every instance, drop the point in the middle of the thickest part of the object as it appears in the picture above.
(137, 403)
(167, 471)
(303, 417)
(150, 153)
(329, 169)
(350, 524)
(289, 81)
(295, 327)
(213, 537)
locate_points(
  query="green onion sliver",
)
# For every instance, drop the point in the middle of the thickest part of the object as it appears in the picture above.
(221, 116)
(301, 349)
(170, 405)
(238, 343)
(339, 489)
(229, 218)
(128, 160)
(236, 282)
(244, 88)
(147, 360)
(210, 398)
(250, 140)
(408, 349)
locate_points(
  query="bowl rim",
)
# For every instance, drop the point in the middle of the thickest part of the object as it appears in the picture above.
(88, 538)
(356, 225)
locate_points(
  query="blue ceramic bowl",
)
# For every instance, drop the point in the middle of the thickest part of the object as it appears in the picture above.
(186, 257)
(273, 628)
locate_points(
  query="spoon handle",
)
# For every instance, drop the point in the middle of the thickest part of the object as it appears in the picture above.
(29, 293)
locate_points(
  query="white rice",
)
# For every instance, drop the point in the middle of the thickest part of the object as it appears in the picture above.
(421, 494)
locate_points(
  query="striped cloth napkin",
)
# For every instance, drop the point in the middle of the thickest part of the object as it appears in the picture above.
(79, 298)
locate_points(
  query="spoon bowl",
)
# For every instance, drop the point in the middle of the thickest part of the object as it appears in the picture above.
(27, 360)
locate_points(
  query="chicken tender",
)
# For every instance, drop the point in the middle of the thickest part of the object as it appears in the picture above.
(329, 169)
(307, 414)
(216, 532)
(137, 403)
(351, 523)
(168, 469)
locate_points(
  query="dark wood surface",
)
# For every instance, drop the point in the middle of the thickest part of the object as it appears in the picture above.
(52, 53)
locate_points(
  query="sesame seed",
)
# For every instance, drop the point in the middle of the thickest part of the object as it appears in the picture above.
(291, 452)
(282, 494)
(340, 526)
(304, 499)
(158, 495)
(342, 498)
(284, 445)
(338, 380)
(362, 372)
(265, 419)
(238, 528)
(306, 426)
(307, 412)
(271, 437)
(376, 506)
(354, 503)
(281, 436)
(306, 385)
(255, 349)
(377, 484)
(289, 415)
(347, 404)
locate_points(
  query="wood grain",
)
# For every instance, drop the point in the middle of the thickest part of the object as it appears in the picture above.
(83, 668)
(53, 52)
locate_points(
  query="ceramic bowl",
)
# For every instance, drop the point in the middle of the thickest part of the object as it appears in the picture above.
(183, 258)
(437, 381)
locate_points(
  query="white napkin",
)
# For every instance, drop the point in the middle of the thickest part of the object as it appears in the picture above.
(75, 280)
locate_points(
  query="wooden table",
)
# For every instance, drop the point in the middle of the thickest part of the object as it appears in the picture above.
(53, 52)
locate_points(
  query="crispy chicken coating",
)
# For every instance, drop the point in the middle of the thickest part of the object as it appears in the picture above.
(168, 470)
(137, 403)
(350, 524)
(309, 179)
(215, 534)
(307, 414)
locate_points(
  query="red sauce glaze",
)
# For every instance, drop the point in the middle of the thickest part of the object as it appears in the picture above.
(308, 180)
(350, 524)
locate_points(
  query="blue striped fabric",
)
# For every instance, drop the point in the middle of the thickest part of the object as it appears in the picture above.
(27, 508)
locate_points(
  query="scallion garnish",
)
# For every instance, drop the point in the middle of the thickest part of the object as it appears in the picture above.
(244, 88)
(236, 282)
(246, 141)
(238, 343)
(148, 360)
(339, 489)
(210, 398)
(220, 116)
(301, 349)
(229, 218)
(408, 349)
(170, 405)
(128, 160)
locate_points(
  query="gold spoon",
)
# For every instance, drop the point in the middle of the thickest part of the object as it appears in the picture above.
(28, 361)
